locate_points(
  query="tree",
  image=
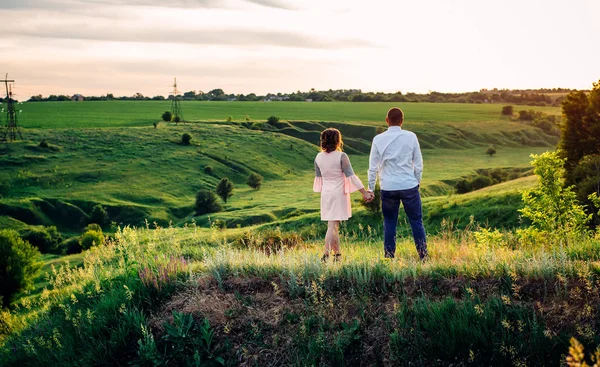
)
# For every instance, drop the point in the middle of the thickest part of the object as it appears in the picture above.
(507, 110)
(99, 215)
(254, 180)
(167, 116)
(225, 189)
(553, 208)
(490, 151)
(272, 120)
(186, 139)
(91, 238)
(207, 202)
(18, 265)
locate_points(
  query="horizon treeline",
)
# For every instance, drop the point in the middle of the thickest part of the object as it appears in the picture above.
(531, 97)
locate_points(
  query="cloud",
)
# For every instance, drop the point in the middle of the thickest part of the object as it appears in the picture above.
(230, 37)
(65, 5)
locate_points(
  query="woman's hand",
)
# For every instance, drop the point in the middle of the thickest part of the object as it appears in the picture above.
(368, 196)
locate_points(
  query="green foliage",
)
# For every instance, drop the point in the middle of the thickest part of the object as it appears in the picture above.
(45, 239)
(270, 241)
(225, 189)
(155, 124)
(18, 265)
(99, 215)
(206, 203)
(186, 139)
(44, 144)
(167, 116)
(254, 180)
(91, 238)
(229, 119)
(177, 119)
(507, 110)
(551, 207)
(71, 246)
(208, 170)
(272, 120)
(490, 151)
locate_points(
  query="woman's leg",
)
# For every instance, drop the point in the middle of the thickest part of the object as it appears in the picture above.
(332, 238)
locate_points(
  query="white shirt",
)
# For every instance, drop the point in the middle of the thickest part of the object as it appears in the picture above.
(396, 158)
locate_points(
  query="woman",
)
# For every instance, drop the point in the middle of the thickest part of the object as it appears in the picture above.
(335, 180)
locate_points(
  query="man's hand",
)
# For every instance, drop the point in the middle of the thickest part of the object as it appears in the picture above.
(369, 196)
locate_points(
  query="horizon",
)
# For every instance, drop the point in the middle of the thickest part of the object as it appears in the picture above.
(95, 47)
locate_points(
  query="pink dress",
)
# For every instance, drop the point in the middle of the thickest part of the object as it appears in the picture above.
(335, 180)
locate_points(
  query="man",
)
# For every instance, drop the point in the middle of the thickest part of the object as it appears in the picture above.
(396, 159)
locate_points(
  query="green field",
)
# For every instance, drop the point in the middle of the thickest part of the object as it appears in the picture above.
(56, 115)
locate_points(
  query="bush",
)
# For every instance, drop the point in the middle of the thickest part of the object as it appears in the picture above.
(255, 180)
(507, 110)
(167, 116)
(207, 202)
(71, 246)
(93, 227)
(490, 151)
(272, 120)
(99, 215)
(186, 139)
(155, 124)
(229, 119)
(44, 144)
(18, 265)
(177, 119)
(480, 182)
(225, 189)
(44, 239)
(208, 170)
(91, 238)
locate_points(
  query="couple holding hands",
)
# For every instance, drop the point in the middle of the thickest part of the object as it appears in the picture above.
(396, 159)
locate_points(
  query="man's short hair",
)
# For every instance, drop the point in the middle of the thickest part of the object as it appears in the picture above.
(395, 115)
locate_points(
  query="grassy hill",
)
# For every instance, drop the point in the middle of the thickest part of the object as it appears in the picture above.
(56, 115)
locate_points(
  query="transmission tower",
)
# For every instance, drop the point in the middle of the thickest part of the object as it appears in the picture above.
(10, 131)
(176, 104)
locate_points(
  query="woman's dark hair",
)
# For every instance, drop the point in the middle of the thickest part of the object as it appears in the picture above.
(331, 140)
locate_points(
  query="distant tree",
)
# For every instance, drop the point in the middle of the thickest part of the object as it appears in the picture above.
(155, 124)
(45, 239)
(229, 119)
(167, 116)
(44, 144)
(247, 118)
(225, 189)
(207, 202)
(18, 265)
(91, 238)
(272, 120)
(99, 215)
(208, 170)
(255, 180)
(186, 139)
(177, 119)
(480, 182)
(158, 98)
(490, 151)
(507, 110)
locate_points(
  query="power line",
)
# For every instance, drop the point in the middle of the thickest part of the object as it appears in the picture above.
(12, 129)
(176, 104)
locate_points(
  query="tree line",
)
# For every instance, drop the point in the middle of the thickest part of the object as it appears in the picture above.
(534, 97)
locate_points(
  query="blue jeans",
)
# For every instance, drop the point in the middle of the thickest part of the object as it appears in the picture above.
(390, 206)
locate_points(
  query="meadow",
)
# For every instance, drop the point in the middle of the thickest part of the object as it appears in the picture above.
(169, 287)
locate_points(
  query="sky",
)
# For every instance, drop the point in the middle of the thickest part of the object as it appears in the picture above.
(95, 47)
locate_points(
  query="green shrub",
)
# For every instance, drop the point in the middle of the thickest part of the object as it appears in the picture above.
(480, 182)
(91, 238)
(167, 116)
(177, 119)
(254, 180)
(272, 120)
(45, 239)
(71, 246)
(208, 170)
(507, 110)
(225, 189)
(207, 202)
(99, 215)
(93, 227)
(490, 151)
(186, 139)
(155, 124)
(44, 144)
(18, 265)
(229, 119)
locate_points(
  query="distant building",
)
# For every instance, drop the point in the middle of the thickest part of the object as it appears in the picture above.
(308, 100)
(77, 98)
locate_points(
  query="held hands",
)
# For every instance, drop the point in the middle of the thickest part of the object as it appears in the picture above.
(368, 196)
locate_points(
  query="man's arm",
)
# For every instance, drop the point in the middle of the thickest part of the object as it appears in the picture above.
(374, 161)
(417, 161)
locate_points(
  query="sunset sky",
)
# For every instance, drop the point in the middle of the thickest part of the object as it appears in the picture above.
(96, 47)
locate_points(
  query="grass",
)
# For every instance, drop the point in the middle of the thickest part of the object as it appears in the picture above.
(58, 115)
(472, 303)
